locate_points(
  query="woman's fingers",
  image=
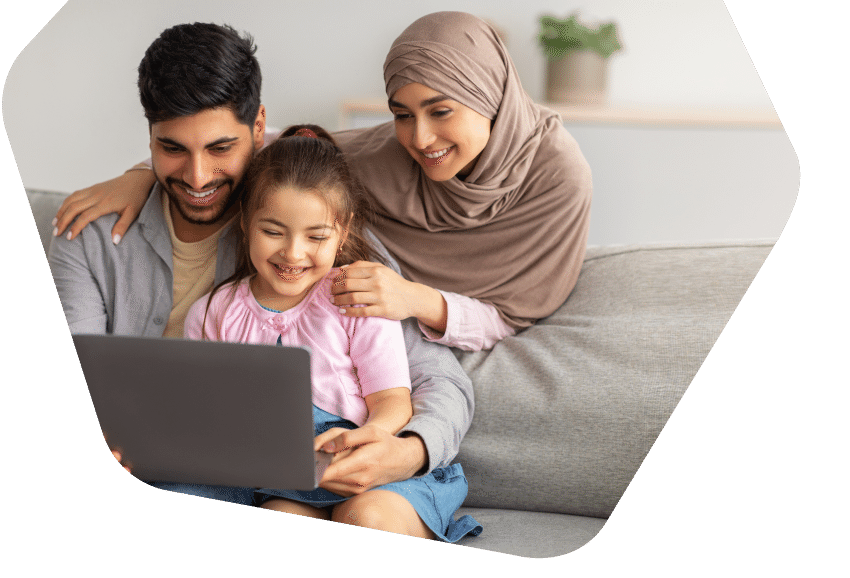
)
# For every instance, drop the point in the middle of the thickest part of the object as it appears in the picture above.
(72, 206)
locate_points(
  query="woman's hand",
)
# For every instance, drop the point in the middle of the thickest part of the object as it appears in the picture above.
(380, 291)
(125, 195)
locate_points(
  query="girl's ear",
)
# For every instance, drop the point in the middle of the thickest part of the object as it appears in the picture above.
(345, 228)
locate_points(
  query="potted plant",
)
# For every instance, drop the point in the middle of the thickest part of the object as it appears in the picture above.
(577, 59)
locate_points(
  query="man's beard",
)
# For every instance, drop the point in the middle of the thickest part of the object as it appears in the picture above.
(192, 214)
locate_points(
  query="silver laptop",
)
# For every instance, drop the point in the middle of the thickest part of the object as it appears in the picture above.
(205, 412)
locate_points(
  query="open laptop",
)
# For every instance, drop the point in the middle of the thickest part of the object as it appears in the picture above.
(205, 412)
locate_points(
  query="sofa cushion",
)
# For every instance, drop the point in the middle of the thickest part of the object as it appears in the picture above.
(566, 410)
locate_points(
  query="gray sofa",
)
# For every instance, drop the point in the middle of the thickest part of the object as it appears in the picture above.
(567, 410)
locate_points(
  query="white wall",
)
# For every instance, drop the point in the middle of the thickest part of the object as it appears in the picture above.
(72, 114)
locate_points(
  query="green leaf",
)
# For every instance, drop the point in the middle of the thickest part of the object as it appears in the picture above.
(557, 37)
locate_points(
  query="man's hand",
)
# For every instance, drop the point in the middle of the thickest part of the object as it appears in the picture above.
(368, 457)
(118, 457)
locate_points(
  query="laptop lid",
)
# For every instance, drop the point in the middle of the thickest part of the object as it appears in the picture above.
(205, 412)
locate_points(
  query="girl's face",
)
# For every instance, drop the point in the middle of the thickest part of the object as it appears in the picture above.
(293, 240)
(442, 135)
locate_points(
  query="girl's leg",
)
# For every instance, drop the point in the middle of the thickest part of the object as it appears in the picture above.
(382, 510)
(293, 507)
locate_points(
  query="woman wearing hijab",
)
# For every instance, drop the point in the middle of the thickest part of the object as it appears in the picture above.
(480, 195)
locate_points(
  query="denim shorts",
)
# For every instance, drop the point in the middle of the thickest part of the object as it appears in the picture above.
(435, 497)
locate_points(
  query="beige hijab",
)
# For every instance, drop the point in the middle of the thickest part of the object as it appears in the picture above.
(514, 232)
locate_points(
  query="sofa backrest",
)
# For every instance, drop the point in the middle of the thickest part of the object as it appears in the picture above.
(44, 205)
(566, 410)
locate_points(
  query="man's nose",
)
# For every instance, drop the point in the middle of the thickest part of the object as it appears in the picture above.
(198, 173)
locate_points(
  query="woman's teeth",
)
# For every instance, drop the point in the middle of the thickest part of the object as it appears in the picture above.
(437, 154)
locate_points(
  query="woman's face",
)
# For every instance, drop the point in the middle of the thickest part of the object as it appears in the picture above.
(442, 135)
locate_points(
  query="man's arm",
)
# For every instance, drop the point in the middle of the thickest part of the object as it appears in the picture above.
(442, 398)
(80, 294)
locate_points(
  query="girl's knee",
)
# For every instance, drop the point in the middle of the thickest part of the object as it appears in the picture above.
(381, 510)
(293, 507)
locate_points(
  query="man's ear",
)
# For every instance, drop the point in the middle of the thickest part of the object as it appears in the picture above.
(259, 128)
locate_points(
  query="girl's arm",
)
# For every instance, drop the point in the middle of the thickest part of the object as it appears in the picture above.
(389, 409)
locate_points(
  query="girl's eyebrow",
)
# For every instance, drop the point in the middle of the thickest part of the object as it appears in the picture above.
(427, 102)
(283, 226)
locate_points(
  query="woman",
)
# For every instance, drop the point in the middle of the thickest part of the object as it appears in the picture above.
(481, 196)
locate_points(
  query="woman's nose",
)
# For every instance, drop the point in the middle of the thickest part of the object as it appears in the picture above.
(423, 137)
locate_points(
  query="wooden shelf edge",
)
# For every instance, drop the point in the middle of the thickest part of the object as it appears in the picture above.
(618, 115)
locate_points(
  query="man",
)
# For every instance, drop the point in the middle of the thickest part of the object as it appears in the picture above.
(199, 85)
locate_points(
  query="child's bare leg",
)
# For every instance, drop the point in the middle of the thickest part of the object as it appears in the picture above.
(382, 510)
(293, 507)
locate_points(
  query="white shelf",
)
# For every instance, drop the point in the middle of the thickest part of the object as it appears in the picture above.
(614, 115)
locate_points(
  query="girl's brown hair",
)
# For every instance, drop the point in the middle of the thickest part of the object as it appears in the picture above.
(312, 164)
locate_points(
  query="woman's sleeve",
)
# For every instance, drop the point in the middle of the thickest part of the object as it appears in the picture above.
(471, 325)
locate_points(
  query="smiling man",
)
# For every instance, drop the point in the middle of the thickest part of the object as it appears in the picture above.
(199, 86)
(206, 121)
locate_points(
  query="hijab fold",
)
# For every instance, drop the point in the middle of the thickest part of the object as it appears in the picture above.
(514, 232)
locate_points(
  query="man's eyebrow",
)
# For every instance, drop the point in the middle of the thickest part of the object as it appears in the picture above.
(423, 104)
(217, 142)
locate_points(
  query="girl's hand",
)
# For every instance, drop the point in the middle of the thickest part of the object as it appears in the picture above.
(125, 195)
(380, 291)
(118, 457)
(325, 437)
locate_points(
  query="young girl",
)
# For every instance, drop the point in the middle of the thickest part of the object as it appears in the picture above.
(301, 220)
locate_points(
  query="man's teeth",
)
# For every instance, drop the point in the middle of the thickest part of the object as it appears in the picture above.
(201, 195)
(438, 154)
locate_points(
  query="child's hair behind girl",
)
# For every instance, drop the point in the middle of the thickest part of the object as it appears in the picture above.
(316, 166)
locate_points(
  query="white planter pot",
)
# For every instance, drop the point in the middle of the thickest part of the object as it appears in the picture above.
(578, 77)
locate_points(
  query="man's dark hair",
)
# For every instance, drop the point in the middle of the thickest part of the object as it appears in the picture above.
(194, 67)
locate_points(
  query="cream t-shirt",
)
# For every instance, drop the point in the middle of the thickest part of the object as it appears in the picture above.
(194, 271)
